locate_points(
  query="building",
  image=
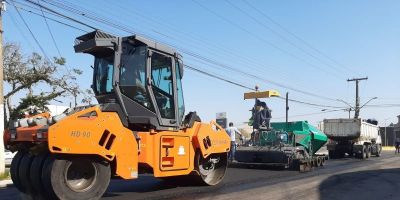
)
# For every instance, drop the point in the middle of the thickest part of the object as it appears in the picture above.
(56, 110)
(390, 133)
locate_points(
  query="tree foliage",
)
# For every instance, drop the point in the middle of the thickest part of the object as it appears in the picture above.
(32, 105)
(32, 74)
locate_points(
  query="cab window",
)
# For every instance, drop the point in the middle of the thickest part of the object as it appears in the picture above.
(162, 84)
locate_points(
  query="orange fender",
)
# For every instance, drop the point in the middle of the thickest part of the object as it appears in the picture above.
(93, 132)
(211, 138)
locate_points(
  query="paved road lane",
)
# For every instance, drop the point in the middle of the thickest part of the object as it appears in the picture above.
(337, 177)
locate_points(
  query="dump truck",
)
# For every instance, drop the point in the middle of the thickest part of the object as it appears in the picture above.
(139, 126)
(355, 137)
(291, 145)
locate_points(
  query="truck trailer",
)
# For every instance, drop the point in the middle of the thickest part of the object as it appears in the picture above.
(355, 137)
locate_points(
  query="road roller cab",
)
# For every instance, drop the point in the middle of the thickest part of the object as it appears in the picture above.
(139, 126)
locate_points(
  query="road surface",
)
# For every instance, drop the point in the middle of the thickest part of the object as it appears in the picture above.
(375, 178)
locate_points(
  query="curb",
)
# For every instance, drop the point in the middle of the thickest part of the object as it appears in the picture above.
(5, 183)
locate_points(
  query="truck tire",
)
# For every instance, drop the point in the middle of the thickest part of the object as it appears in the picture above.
(46, 179)
(319, 161)
(364, 152)
(210, 172)
(379, 150)
(294, 165)
(76, 178)
(14, 171)
(24, 175)
(368, 151)
(36, 174)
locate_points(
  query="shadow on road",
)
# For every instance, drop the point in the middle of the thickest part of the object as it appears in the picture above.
(256, 166)
(146, 185)
(371, 184)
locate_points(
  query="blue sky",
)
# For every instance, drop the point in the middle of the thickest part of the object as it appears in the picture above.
(357, 38)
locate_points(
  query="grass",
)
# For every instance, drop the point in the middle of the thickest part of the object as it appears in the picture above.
(5, 175)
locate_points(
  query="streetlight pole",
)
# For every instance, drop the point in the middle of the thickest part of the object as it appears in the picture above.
(2, 119)
(357, 107)
(368, 102)
(350, 106)
(349, 112)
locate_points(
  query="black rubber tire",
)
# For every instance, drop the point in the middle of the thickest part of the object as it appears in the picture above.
(46, 177)
(313, 162)
(24, 172)
(294, 165)
(319, 161)
(219, 171)
(368, 151)
(14, 171)
(379, 151)
(55, 172)
(364, 153)
(36, 174)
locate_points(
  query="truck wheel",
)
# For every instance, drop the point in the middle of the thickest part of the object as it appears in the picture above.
(368, 149)
(24, 169)
(319, 161)
(302, 167)
(14, 171)
(379, 150)
(364, 152)
(294, 165)
(211, 169)
(36, 173)
(76, 178)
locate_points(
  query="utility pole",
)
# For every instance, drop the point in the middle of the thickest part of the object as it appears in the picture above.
(2, 120)
(357, 107)
(287, 109)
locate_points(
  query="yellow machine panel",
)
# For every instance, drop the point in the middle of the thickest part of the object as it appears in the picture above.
(264, 94)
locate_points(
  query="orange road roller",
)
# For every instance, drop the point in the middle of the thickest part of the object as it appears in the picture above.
(139, 126)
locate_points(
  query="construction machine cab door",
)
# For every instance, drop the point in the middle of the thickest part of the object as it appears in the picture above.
(164, 88)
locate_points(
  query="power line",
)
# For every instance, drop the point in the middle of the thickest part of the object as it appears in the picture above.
(14, 21)
(54, 20)
(311, 104)
(309, 114)
(280, 35)
(200, 41)
(55, 12)
(383, 105)
(75, 10)
(250, 88)
(51, 33)
(31, 33)
(217, 77)
(262, 39)
(297, 37)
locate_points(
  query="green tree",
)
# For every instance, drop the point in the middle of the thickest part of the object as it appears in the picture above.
(26, 73)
